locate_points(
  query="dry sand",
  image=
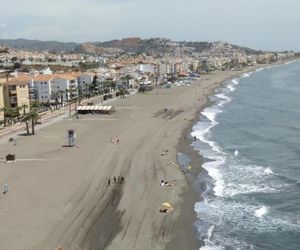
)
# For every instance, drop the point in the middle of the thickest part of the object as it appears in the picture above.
(58, 196)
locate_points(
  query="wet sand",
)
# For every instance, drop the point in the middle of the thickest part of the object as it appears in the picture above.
(58, 196)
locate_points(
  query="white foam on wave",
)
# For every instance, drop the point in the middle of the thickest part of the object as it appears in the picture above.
(211, 113)
(245, 75)
(260, 212)
(244, 215)
(223, 96)
(201, 135)
(222, 103)
(210, 232)
(231, 88)
(268, 170)
(213, 171)
(235, 81)
(242, 178)
(211, 246)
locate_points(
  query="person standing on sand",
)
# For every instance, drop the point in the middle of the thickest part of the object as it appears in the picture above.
(108, 183)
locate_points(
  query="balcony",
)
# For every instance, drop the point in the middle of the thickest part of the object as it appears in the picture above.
(12, 92)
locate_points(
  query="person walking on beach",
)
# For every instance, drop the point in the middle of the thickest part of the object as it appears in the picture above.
(108, 183)
(115, 179)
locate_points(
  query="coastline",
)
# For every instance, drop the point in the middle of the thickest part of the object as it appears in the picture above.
(186, 235)
(74, 207)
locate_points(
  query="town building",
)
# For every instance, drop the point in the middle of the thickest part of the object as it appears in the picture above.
(16, 93)
(42, 88)
(84, 81)
(66, 83)
(1, 99)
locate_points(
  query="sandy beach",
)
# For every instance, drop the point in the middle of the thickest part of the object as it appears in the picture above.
(59, 196)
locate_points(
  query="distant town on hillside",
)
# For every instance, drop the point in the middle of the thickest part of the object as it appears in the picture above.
(52, 74)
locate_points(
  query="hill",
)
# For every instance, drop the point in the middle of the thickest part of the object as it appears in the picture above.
(136, 45)
(36, 45)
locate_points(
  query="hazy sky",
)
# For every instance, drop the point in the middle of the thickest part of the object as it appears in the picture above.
(261, 24)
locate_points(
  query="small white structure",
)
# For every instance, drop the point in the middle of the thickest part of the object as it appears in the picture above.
(95, 109)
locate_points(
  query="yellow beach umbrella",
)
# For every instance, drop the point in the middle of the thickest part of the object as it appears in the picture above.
(166, 204)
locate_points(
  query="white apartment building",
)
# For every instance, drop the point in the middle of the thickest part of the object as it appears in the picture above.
(66, 83)
(42, 88)
(147, 68)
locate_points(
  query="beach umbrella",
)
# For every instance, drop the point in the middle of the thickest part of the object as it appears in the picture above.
(166, 204)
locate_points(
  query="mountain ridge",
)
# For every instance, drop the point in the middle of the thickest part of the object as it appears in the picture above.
(125, 45)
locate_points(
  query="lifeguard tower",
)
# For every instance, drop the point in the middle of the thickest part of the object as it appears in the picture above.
(71, 137)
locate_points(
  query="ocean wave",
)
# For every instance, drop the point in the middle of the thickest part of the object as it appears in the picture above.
(246, 75)
(228, 218)
(231, 88)
(260, 212)
(235, 81)
(232, 175)
(223, 96)
(231, 180)
(211, 113)
(233, 204)
(268, 171)
(215, 173)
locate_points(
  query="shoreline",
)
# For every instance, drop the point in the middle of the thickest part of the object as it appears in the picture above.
(187, 219)
(75, 206)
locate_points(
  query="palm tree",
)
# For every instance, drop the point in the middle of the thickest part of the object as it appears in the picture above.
(4, 115)
(35, 105)
(86, 86)
(17, 112)
(24, 107)
(60, 93)
(32, 116)
(26, 119)
(67, 91)
(55, 95)
(94, 82)
(80, 94)
(8, 112)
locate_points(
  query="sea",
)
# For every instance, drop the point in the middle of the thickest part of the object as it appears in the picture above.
(249, 137)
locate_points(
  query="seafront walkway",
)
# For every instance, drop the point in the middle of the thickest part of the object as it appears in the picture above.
(50, 115)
